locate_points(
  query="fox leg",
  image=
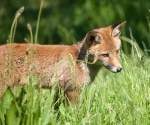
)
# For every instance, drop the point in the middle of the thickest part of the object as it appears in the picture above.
(73, 95)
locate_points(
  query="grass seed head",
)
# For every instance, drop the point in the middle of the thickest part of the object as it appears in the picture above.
(29, 27)
(19, 12)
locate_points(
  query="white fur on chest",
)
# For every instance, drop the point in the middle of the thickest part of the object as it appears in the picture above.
(86, 72)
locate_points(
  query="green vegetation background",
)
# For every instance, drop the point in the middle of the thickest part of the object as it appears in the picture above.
(67, 21)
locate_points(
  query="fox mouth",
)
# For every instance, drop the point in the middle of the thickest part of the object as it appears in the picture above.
(113, 68)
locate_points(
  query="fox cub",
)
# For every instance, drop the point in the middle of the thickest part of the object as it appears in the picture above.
(71, 67)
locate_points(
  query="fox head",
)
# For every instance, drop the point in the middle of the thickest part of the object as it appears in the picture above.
(103, 46)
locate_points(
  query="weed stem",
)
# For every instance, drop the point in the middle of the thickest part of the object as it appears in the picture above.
(38, 21)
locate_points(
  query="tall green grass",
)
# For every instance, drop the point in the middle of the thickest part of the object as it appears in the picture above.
(122, 98)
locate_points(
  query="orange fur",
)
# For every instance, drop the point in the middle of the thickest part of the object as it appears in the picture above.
(61, 64)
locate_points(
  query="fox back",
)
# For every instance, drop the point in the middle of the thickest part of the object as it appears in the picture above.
(71, 67)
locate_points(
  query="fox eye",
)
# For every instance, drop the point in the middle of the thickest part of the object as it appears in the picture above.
(105, 55)
(118, 51)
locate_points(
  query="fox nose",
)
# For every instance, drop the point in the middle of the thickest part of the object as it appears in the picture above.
(119, 69)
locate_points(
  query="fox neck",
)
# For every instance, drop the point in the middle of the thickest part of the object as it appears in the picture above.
(82, 50)
(93, 68)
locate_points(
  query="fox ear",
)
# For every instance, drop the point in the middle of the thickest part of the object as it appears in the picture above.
(116, 29)
(93, 37)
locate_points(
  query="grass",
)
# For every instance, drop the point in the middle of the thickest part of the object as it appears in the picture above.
(122, 98)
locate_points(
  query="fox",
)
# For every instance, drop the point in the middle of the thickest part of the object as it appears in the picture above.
(70, 66)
